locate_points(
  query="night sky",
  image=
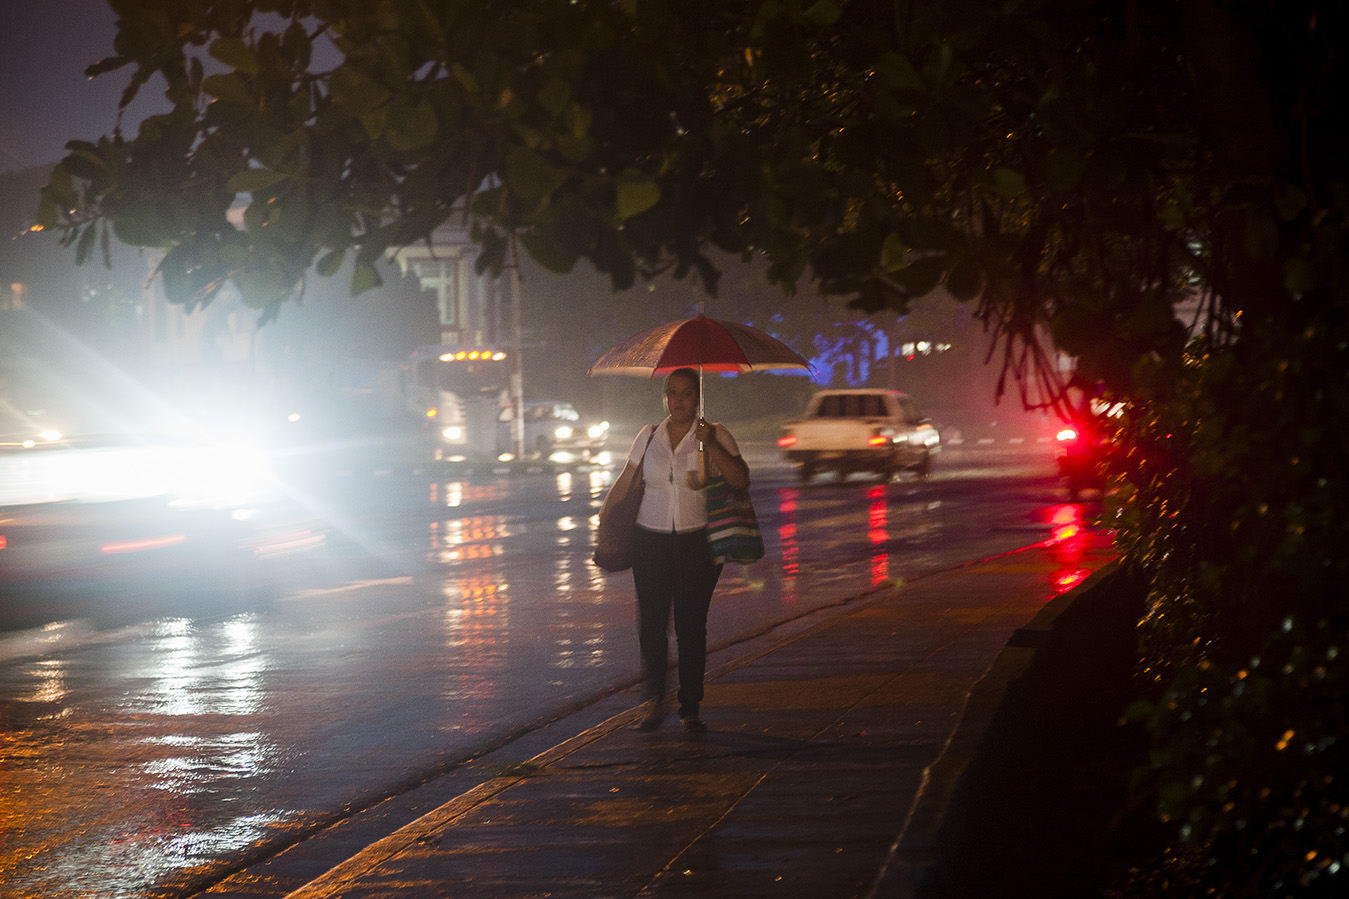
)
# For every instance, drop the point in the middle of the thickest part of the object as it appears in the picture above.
(45, 99)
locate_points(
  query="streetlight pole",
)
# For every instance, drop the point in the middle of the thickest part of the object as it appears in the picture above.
(517, 364)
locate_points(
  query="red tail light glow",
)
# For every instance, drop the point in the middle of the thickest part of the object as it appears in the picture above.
(878, 440)
(788, 440)
(135, 546)
(1067, 434)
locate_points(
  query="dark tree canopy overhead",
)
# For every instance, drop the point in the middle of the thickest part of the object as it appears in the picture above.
(1076, 166)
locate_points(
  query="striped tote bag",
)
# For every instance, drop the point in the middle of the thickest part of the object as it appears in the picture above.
(732, 530)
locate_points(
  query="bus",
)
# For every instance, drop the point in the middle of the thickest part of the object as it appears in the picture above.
(457, 392)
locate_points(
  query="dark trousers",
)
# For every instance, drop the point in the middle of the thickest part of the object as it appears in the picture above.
(673, 572)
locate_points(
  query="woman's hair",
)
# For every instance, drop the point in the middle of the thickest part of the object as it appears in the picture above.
(690, 373)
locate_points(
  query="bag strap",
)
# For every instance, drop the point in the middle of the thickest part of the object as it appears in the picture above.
(641, 460)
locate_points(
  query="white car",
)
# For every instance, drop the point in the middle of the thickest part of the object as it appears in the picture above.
(861, 430)
(553, 430)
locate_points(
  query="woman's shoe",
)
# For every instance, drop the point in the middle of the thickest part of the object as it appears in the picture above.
(653, 717)
(694, 725)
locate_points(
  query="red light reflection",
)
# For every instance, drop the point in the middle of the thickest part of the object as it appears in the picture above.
(791, 563)
(1069, 541)
(878, 533)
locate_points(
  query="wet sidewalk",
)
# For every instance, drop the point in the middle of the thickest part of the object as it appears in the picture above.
(832, 746)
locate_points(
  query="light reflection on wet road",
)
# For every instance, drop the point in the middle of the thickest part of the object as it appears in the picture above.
(146, 758)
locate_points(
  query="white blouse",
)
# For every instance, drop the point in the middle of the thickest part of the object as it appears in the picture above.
(669, 503)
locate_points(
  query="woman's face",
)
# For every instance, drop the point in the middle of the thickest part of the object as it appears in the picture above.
(681, 397)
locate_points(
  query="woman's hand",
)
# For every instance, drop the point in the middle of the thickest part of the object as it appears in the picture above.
(732, 468)
(706, 432)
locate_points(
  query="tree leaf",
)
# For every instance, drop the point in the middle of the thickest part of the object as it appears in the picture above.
(823, 13)
(573, 149)
(411, 128)
(894, 252)
(373, 122)
(554, 96)
(922, 275)
(579, 119)
(1062, 169)
(356, 91)
(48, 213)
(897, 73)
(1008, 183)
(236, 54)
(185, 279)
(1260, 237)
(86, 164)
(530, 175)
(465, 79)
(254, 180)
(547, 251)
(229, 88)
(364, 277)
(637, 192)
(965, 280)
(143, 226)
(330, 263)
(1289, 201)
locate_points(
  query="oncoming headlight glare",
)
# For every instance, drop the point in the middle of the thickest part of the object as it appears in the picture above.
(563, 432)
(226, 475)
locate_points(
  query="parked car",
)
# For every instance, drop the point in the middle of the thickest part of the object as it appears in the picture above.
(863, 430)
(554, 429)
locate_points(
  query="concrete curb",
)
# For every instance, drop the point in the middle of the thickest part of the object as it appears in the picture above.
(915, 848)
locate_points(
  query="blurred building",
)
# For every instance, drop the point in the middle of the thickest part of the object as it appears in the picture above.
(472, 308)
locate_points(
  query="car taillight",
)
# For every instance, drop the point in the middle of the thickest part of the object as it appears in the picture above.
(1067, 435)
(877, 440)
(788, 440)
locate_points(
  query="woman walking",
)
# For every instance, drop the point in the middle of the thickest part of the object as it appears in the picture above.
(672, 566)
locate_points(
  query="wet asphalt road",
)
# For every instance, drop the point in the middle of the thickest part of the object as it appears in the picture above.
(149, 753)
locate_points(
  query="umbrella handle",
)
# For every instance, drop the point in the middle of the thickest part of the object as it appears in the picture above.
(698, 478)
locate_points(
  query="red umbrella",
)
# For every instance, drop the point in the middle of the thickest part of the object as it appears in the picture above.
(707, 344)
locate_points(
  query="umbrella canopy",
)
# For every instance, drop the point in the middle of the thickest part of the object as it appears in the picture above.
(707, 344)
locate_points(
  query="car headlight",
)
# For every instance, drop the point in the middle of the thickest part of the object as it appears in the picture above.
(453, 433)
(218, 476)
(597, 431)
(563, 433)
